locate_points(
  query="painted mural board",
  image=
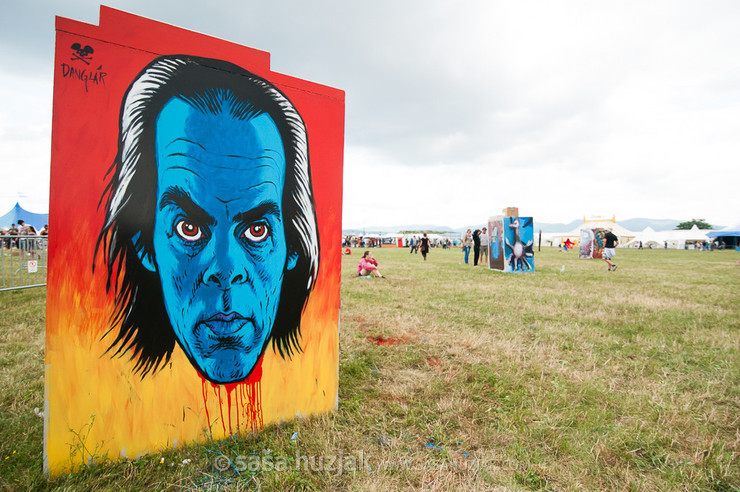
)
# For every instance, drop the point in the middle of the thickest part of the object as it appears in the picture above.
(193, 288)
(496, 243)
(592, 243)
(586, 244)
(518, 244)
(511, 244)
(599, 242)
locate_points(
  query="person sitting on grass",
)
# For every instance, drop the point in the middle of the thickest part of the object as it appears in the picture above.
(368, 266)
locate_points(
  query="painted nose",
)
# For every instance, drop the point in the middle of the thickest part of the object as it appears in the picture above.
(227, 264)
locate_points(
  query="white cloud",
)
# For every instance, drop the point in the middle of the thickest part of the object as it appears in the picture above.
(563, 108)
(25, 142)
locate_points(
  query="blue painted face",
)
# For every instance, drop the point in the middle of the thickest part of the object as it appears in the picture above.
(219, 240)
(495, 247)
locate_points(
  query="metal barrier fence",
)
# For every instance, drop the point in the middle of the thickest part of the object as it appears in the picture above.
(23, 262)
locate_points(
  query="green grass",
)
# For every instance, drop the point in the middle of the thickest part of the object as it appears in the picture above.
(582, 379)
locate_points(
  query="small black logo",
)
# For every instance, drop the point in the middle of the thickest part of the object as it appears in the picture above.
(84, 54)
(87, 74)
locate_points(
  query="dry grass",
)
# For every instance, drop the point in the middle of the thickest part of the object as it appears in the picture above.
(483, 381)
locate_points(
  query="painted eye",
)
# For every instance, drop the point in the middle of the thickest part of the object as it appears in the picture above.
(257, 232)
(187, 231)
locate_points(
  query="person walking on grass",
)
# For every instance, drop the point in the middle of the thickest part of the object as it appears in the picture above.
(424, 246)
(414, 244)
(610, 242)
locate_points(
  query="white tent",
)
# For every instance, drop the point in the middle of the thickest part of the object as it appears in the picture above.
(679, 238)
(671, 239)
(649, 239)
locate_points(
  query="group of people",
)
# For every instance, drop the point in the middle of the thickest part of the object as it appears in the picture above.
(420, 245)
(359, 241)
(414, 242)
(21, 229)
(478, 240)
(607, 253)
(710, 246)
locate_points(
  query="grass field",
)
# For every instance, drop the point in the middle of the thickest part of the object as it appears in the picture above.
(459, 378)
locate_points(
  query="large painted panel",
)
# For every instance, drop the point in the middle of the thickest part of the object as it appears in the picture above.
(592, 243)
(518, 244)
(586, 244)
(599, 242)
(496, 243)
(193, 288)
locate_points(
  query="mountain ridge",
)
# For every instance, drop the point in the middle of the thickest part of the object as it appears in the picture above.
(635, 224)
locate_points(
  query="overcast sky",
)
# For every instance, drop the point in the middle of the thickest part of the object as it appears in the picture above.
(456, 109)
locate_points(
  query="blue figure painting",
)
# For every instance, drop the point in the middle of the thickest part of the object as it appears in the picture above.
(519, 240)
(210, 211)
(496, 243)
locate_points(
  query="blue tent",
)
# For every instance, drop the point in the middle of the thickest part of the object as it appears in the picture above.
(730, 235)
(731, 231)
(18, 212)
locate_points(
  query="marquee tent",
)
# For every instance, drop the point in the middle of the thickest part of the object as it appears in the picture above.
(681, 237)
(730, 231)
(624, 235)
(730, 234)
(672, 239)
(649, 238)
(19, 213)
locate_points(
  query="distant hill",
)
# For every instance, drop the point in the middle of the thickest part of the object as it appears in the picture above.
(548, 227)
(635, 225)
(638, 225)
(395, 229)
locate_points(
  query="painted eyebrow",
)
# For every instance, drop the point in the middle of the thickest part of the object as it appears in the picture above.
(258, 212)
(176, 196)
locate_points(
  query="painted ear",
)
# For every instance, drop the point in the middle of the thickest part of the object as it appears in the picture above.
(292, 261)
(146, 259)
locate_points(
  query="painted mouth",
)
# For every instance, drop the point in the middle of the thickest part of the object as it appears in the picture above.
(223, 324)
